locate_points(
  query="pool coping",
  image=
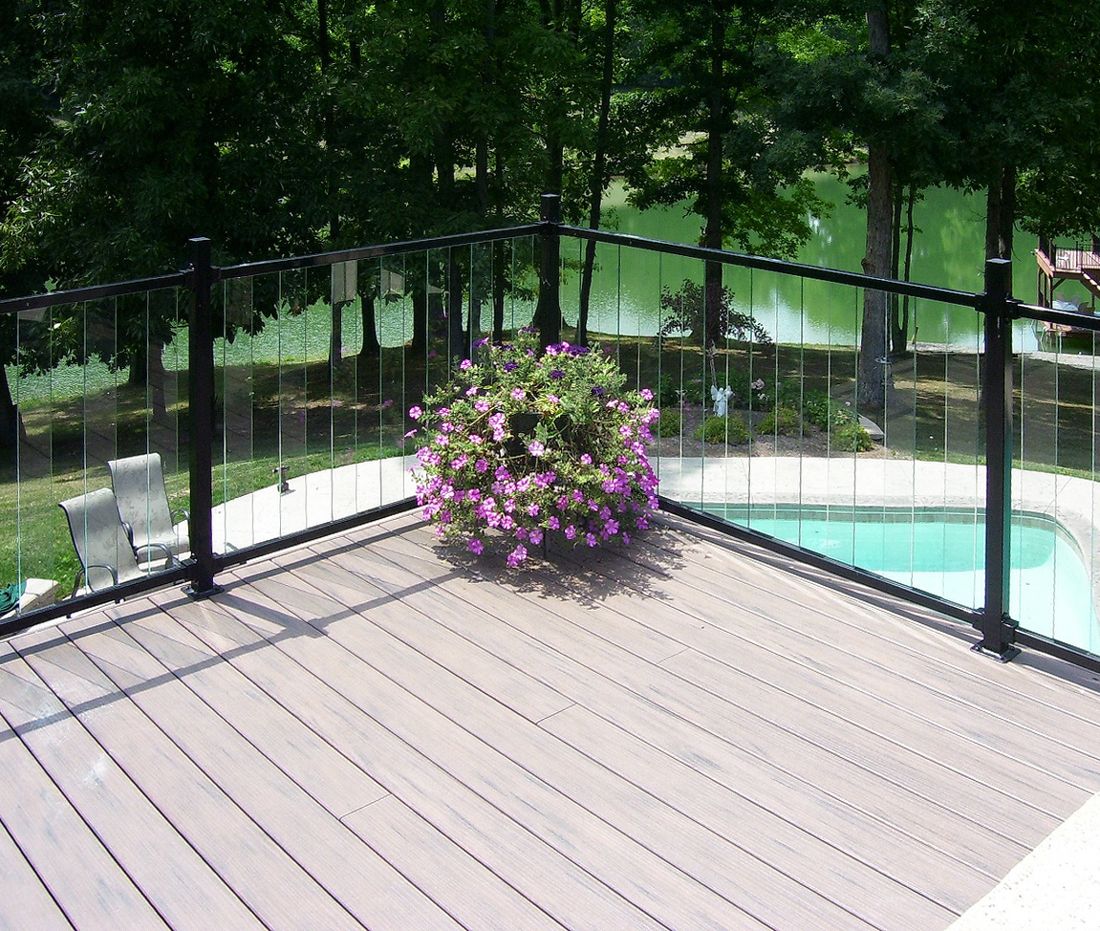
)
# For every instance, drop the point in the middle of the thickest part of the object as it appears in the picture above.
(885, 482)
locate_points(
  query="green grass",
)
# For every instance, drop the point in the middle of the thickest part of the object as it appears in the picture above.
(290, 409)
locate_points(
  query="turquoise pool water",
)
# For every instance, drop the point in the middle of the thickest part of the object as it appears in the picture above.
(942, 551)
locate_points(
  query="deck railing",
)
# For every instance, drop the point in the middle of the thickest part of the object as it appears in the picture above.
(275, 395)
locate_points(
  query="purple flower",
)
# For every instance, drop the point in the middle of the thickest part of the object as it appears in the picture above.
(570, 532)
(517, 394)
(510, 366)
(481, 465)
(586, 459)
(518, 555)
(415, 413)
(590, 539)
(535, 448)
(553, 523)
(476, 546)
(465, 364)
(536, 537)
(557, 374)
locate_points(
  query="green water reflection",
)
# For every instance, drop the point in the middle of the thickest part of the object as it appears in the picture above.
(948, 251)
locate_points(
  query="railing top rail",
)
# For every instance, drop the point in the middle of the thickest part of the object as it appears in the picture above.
(781, 267)
(1072, 318)
(323, 259)
(13, 305)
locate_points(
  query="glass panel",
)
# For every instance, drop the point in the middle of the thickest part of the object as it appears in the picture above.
(96, 428)
(1054, 540)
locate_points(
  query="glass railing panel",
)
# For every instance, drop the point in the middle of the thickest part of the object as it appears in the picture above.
(96, 394)
(1055, 554)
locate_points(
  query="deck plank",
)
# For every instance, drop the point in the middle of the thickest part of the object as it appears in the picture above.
(748, 882)
(635, 872)
(353, 875)
(573, 897)
(761, 637)
(26, 903)
(860, 788)
(316, 767)
(475, 895)
(374, 730)
(273, 886)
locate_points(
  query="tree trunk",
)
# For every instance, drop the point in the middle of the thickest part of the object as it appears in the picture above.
(599, 169)
(872, 372)
(713, 232)
(1000, 216)
(371, 348)
(11, 422)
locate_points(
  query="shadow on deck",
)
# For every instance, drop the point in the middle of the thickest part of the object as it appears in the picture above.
(372, 732)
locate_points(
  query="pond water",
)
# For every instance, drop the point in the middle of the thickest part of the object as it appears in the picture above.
(942, 551)
(948, 252)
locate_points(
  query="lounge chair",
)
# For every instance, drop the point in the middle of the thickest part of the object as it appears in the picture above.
(103, 546)
(138, 483)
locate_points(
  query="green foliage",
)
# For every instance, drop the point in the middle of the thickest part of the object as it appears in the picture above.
(670, 423)
(781, 420)
(685, 310)
(729, 430)
(817, 407)
(848, 434)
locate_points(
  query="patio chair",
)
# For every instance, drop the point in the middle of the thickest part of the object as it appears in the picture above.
(138, 483)
(103, 546)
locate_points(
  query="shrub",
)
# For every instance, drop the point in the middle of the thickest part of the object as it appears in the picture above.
(854, 437)
(670, 423)
(816, 408)
(683, 311)
(781, 420)
(731, 430)
(517, 445)
(668, 392)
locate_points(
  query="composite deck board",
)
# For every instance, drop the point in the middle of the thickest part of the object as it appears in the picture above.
(26, 903)
(598, 693)
(923, 655)
(275, 888)
(572, 896)
(663, 890)
(372, 731)
(836, 684)
(352, 874)
(697, 846)
(73, 867)
(852, 782)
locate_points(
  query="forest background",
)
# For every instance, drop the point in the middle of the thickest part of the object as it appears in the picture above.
(296, 126)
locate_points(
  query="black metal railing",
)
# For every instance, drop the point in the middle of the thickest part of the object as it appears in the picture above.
(424, 288)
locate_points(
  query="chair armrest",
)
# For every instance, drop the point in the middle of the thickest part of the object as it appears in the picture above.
(165, 551)
(82, 574)
(180, 515)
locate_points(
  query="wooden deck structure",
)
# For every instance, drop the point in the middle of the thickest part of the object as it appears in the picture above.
(1057, 265)
(368, 732)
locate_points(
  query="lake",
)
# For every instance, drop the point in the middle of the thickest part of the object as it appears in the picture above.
(948, 252)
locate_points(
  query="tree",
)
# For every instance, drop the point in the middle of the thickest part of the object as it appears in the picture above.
(173, 119)
(700, 99)
(23, 118)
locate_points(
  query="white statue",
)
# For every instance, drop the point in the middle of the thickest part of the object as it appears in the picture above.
(721, 398)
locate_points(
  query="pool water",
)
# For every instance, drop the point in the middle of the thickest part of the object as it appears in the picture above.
(942, 551)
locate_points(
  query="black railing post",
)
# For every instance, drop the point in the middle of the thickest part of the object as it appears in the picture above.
(200, 388)
(997, 628)
(548, 310)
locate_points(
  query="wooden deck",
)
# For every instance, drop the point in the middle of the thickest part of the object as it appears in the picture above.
(368, 733)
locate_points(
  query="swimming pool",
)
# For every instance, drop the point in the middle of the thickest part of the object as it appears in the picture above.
(942, 551)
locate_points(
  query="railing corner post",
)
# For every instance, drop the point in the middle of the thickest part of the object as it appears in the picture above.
(996, 626)
(548, 310)
(200, 387)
